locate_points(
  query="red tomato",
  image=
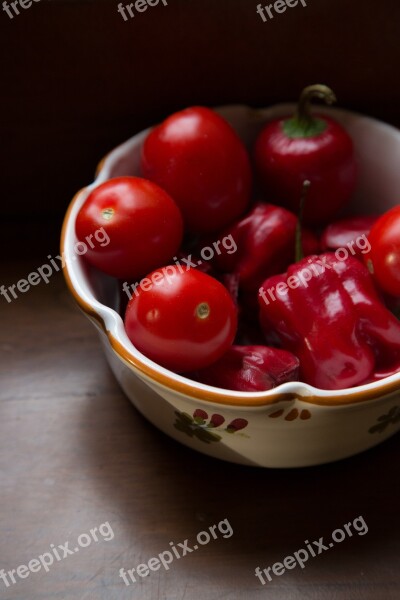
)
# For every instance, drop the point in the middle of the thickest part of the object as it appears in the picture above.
(183, 320)
(142, 222)
(384, 258)
(196, 156)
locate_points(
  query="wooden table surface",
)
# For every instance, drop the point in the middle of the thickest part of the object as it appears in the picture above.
(75, 454)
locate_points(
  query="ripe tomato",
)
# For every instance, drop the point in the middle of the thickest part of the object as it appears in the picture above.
(183, 320)
(196, 156)
(143, 223)
(384, 258)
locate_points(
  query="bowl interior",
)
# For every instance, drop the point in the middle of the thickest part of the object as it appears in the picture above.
(377, 147)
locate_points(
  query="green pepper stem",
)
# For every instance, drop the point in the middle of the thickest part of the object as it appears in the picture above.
(323, 92)
(303, 124)
(299, 245)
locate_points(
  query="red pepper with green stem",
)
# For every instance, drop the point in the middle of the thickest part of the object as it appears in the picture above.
(290, 150)
(265, 246)
(265, 241)
(328, 313)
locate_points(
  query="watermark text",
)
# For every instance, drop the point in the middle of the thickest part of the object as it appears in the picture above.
(184, 264)
(176, 551)
(58, 553)
(44, 272)
(314, 548)
(316, 268)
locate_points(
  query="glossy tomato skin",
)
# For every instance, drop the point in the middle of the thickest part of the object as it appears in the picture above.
(326, 160)
(182, 320)
(383, 260)
(197, 157)
(143, 224)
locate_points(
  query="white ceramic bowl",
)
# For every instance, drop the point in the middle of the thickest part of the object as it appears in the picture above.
(293, 425)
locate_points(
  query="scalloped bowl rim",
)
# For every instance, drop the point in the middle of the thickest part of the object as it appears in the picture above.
(111, 323)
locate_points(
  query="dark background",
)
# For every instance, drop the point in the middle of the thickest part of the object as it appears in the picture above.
(76, 81)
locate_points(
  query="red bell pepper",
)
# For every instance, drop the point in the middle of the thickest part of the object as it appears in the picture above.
(265, 241)
(250, 369)
(292, 149)
(348, 233)
(328, 313)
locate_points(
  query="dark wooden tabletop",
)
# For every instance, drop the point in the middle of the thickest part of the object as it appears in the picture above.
(75, 455)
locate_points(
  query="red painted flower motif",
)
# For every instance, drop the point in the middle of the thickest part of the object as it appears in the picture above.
(237, 425)
(217, 420)
(203, 427)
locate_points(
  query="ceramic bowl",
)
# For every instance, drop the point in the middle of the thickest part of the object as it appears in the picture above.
(293, 425)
